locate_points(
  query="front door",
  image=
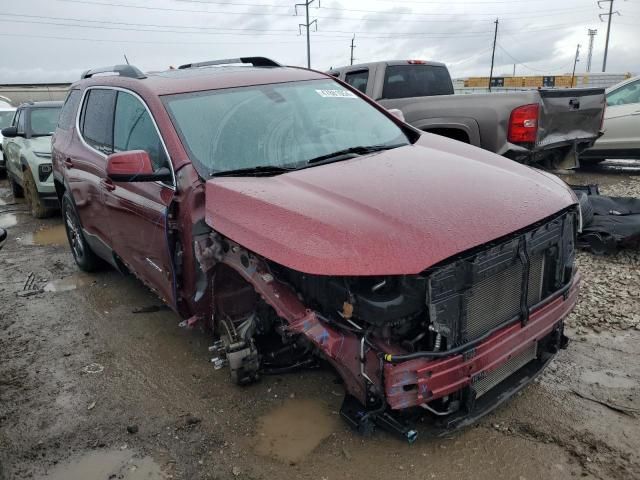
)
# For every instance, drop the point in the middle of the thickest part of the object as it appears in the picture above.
(138, 210)
(13, 146)
(622, 119)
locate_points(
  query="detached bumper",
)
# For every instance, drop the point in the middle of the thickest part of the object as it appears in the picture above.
(415, 382)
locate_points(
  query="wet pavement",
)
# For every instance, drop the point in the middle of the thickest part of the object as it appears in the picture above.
(90, 389)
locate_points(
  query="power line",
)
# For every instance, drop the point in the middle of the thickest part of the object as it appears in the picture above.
(546, 70)
(154, 42)
(452, 17)
(609, 15)
(307, 25)
(364, 34)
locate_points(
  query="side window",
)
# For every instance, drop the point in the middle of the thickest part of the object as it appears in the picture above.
(67, 114)
(134, 130)
(358, 79)
(96, 122)
(21, 122)
(630, 93)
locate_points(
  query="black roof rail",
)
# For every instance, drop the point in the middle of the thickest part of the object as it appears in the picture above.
(122, 70)
(255, 61)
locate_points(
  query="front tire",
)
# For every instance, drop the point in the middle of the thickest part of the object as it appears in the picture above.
(38, 210)
(16, 189)
(85, 258)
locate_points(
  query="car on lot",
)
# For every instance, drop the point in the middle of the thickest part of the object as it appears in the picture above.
(543, 127)
(621, 138)
(27, 149)
(300, 220)
(6, 117)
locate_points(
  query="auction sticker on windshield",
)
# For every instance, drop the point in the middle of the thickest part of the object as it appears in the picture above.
(336, 94)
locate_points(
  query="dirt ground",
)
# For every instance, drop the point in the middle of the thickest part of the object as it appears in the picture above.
(95, 385)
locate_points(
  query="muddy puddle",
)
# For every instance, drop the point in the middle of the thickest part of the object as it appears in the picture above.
(292, 431)
(51, 235)
(71, 282)
(110, 464)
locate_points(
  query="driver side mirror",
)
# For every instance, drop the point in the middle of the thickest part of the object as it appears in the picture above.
(135, 166)
(10, 132)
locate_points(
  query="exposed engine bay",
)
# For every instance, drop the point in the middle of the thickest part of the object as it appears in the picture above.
(403, 343)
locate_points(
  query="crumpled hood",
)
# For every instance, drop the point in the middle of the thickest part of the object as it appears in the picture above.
(393, 212)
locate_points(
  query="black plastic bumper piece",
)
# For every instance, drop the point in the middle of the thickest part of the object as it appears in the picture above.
(365, 421)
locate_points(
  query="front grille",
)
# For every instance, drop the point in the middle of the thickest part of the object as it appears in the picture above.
(485, 383)
(475, 294)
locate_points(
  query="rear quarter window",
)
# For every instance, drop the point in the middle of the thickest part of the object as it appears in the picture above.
(402, 81)
(67, 114)
(97, 119)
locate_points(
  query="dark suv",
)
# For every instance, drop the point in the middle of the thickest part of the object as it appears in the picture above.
(300, 220)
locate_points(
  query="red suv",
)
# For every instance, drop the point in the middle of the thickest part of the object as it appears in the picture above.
(301, 221)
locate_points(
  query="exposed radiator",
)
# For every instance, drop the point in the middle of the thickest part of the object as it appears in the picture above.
(496, 299)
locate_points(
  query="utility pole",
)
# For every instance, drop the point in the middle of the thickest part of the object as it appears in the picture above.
(592, 33)
(514, 70)
(575, 61)
(307, 25)
(493, 52)
(352, 47)
(610, 14)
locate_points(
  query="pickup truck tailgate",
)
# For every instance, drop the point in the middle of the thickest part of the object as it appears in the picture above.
(567, 115)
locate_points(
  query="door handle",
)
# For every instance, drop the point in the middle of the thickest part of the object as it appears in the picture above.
(107, 184)
(68, 163)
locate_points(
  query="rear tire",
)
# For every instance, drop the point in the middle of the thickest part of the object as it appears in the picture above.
(86, 259)
(16, 189)
(38, 210)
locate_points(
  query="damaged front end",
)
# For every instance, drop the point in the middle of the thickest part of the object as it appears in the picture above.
(450, 343)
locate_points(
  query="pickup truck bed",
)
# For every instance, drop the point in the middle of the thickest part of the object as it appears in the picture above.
(567, 121)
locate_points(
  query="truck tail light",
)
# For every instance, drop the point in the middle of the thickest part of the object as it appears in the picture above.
(416, 62)
(523, 124)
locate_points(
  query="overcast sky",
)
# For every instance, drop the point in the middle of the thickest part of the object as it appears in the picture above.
(54, 40)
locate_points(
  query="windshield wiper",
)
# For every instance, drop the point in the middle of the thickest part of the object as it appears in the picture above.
(353, 151)
(255, 171)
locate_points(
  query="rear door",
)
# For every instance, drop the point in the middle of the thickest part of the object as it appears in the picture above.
(622, 119)
(138, 210)
(85, 166)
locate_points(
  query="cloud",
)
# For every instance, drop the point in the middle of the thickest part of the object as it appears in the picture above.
(73, 35)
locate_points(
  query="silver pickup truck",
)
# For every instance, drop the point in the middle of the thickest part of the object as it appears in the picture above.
(548, 127)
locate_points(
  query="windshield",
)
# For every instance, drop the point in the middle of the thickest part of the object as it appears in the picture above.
(5, 118)
(44, 120)
(276, 125)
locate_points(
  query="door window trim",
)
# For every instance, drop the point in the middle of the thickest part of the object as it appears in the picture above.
(153, 120)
